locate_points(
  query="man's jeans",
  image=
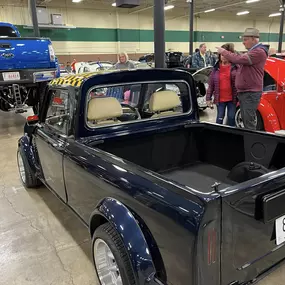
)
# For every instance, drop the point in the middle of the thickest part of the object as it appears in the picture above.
(231, 110)
(249, 102)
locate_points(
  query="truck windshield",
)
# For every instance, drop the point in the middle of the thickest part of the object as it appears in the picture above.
(7, 32)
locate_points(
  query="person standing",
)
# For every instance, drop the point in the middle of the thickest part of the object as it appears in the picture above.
(123, 62)
(249, 78)
(201, 59)
(68, 67)
(222, 88)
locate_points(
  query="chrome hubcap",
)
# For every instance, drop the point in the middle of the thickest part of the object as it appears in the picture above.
(21, 167)
(238, 119)
(106, 265)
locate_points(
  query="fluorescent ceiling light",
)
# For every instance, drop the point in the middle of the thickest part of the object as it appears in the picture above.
(242, 13)
(168, 7)
(275, 15)
(251, 1)
(210, 10)
(76, 1)
(114, 4)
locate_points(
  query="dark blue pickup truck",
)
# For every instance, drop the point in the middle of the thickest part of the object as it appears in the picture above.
(26, 66)
(167, 199)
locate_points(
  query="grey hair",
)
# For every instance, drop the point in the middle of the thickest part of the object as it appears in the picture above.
(201, 45)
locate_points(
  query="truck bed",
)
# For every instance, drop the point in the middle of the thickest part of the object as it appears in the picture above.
(201, 155)
(200, 176)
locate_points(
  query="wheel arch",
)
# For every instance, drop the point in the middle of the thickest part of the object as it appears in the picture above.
(26, 149)
(269, 116)
(143, 246)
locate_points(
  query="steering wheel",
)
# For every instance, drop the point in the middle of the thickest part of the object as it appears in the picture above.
(134, 109)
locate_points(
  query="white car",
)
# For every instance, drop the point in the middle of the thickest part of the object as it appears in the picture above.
(82, 67)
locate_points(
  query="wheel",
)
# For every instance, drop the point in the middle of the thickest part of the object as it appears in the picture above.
(37, 97)
(238, 119)
(27, 176)
(239, 122)
(111, 260)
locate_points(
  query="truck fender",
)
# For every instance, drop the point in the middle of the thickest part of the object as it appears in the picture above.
(119, 216)
(27, 150)
(269, 116)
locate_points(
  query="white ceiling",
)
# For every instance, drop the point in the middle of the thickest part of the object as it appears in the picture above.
(259, 9)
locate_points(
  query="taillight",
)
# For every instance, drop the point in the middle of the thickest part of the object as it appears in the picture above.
(212, 246)
(51, 53)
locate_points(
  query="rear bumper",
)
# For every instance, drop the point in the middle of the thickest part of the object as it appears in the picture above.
(29, 76)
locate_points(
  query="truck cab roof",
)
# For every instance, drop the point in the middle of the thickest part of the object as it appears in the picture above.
(127, 101)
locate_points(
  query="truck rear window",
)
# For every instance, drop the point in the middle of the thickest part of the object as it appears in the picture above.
(125, 103)
(7, 32)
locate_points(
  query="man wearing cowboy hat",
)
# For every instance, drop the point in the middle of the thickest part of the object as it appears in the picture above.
(249, 78)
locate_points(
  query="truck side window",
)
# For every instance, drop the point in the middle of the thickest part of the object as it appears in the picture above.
(7, 32)
(269, 84)
(58, 114)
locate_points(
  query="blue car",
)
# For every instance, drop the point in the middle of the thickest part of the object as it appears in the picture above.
(167, 199)
(26, 66)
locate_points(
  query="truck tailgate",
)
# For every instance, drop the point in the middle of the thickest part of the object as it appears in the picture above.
(25, 53)
(253, 222)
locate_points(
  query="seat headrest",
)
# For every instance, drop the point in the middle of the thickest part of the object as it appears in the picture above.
(163, 101)
(104, 108)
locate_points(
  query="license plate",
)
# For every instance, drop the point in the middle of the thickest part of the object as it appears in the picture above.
(11, 76)
(280, 230)
(44, 76)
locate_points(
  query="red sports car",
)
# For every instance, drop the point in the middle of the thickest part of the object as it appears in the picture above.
(271, 110)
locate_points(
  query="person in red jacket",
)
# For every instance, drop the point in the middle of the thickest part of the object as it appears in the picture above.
(222, 88)
(249, 78)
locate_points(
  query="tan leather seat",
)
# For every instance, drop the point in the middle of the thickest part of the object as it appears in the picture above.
(104, 111)
(164, 103)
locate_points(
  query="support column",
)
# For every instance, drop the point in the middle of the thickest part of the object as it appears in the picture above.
(159, 33)
(33, 8)
(191, 26)
(282, 8)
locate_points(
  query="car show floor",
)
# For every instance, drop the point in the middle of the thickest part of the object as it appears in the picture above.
(42, 242)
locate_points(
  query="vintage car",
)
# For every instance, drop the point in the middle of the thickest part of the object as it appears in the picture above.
(83, 67)
(167, 199)
(271, 110)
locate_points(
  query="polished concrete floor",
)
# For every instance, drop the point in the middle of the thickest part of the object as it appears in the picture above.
(41, 241)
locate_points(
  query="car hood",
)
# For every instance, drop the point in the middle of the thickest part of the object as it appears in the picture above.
(275, 67)
(202, 75)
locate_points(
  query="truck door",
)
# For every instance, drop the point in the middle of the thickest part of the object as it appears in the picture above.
(249, 244)
(51, 140)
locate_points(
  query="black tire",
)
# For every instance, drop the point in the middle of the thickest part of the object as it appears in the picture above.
(30, 181)
(37, 98)
(41, 93)
(110, 236)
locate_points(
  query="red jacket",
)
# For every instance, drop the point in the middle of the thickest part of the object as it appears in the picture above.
(250, 73)
(214, 84)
